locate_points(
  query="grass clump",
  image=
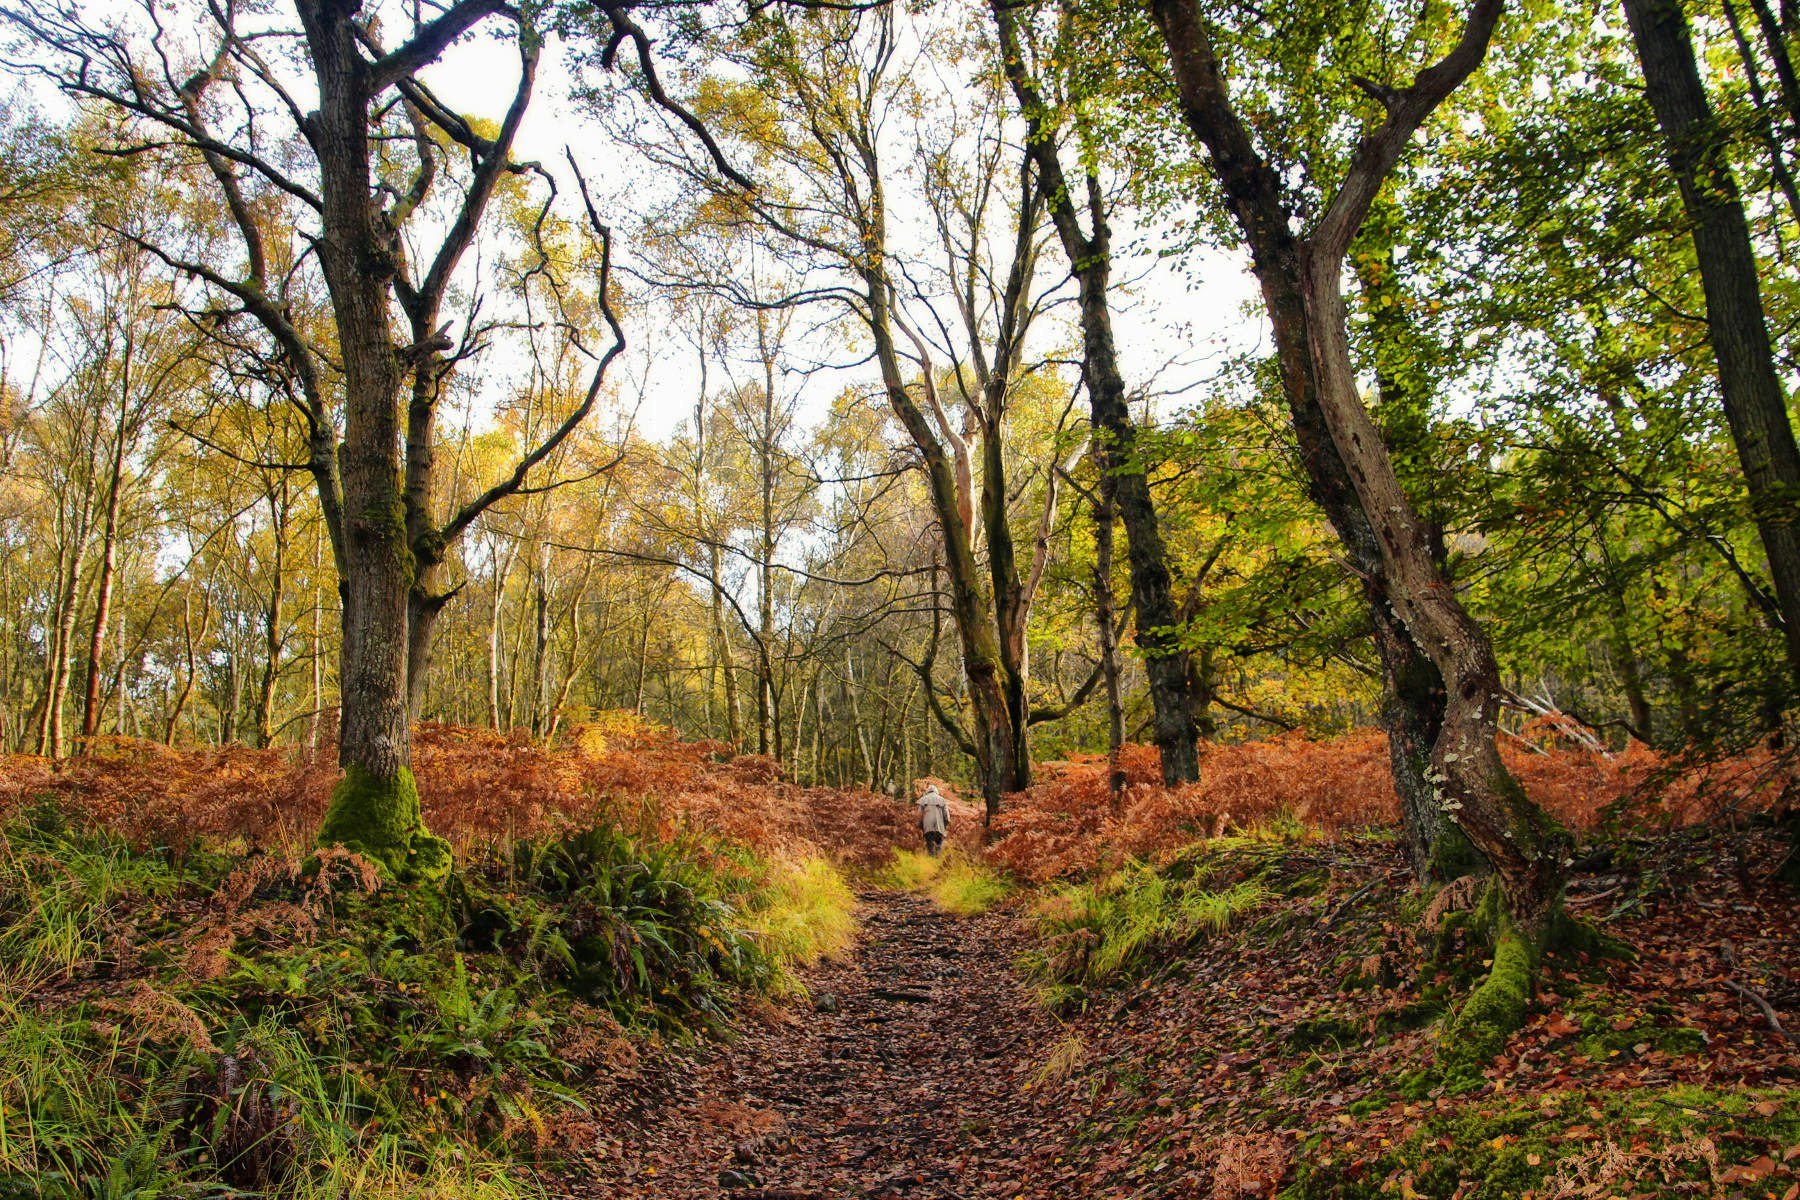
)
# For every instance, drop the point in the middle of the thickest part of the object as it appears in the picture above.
(911, 871)
(803, 912)
(957, 883)
(263, 1026)
(1112, 929)
(64, 896)
(966, 887)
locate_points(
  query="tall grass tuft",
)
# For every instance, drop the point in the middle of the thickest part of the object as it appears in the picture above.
(911, 871)
(1112, 928)
(800, 913)
(957, 883)
(61, 892)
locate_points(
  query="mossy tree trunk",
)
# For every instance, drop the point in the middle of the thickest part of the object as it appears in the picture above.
(375, 807)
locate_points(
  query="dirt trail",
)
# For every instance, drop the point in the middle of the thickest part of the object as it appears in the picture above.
(912, 1088)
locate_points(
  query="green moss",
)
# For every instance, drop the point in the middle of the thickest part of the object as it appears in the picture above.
(1614, 1025)
(379, 819)
(389, 520)
(1495, 1008)
(1570, 934)
(431, 858)
(1317, 1032)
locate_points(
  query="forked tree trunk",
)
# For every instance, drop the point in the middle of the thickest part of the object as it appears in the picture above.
(375, 808)
(1301, 282)
(191, 642)
(1115, 435)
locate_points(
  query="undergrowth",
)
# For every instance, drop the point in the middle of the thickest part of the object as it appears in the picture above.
(800, 913)
(204, 1025)
(1111, 929)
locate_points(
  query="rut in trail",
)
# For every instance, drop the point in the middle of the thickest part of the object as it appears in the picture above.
(913, 1088)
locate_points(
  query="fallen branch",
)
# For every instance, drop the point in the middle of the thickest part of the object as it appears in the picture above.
(1768, 1010)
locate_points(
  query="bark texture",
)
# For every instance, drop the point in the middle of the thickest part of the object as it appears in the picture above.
(1115, 436)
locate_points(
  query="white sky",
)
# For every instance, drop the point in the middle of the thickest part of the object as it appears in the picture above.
(1181, 320)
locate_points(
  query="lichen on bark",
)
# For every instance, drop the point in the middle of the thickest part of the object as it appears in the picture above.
(379, 818)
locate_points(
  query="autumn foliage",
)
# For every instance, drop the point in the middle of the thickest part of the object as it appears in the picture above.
(1069, 821)
(478, 788)
(483, 789)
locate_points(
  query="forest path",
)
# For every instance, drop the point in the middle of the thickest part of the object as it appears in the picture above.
(912, 1089)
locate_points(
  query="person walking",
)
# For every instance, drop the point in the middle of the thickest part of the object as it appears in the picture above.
(934, 819)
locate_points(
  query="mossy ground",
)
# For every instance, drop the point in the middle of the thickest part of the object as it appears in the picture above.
(1325, 1048)
(1678, 1141)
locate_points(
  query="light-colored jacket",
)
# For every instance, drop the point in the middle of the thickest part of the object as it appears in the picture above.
(934, 812)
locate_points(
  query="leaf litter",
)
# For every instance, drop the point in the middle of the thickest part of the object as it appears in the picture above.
(1297, 1055)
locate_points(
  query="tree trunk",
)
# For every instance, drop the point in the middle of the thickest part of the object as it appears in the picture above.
(496, 600)
(1755, 408)
(375, 808)
(643, 658)
(540, 648)
(1413, 699)
(1115, 435)
(109, 550)
(231, 714)
(992, 734)
(1012, 599)
(191, 642)
(272, 638)
(317, 640)
(62, 651)
(576, 659)
(1301, 283)
(856, 718)
(1625, 661)
(734, 705)
(1109, 649)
